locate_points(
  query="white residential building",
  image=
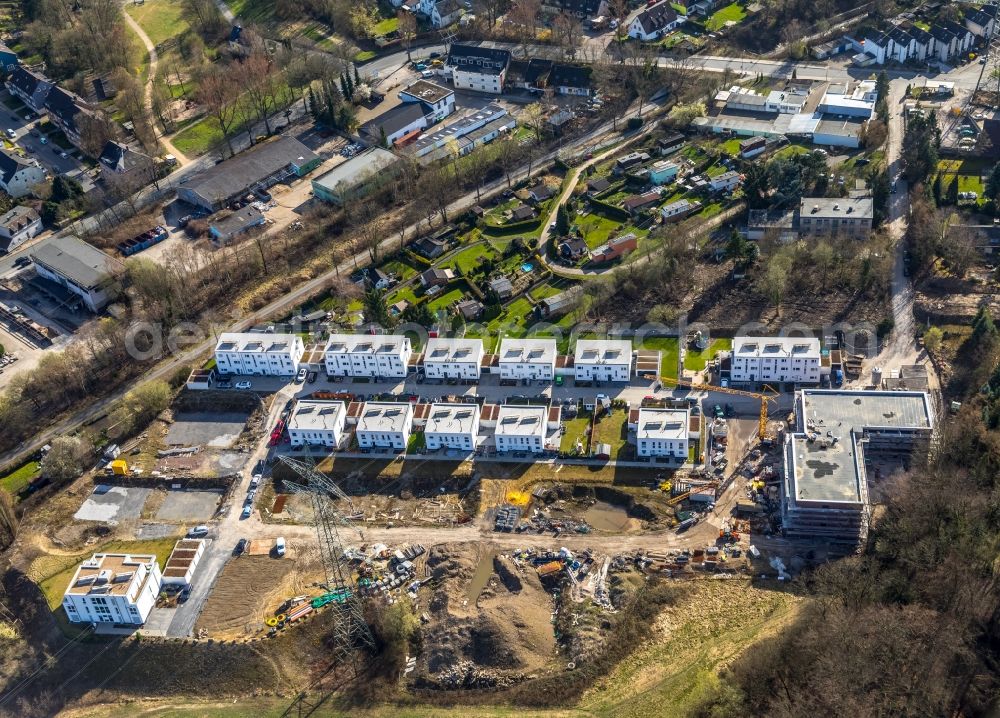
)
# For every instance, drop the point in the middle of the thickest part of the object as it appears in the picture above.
(603, 360)
(521, 428)
(775, 359)
(385, 425)
(457, 358)
(259, 354)
(726, 182)
(477, 68)
(317, 423)
(113, 588)
(375, 355)
(662, 432)
(527, 358)
(452, 426)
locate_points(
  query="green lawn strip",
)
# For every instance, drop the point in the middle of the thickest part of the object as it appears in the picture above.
(386, 26)
(611, 429)
(669, 349)
(365, 56)
(160, 19)
(731, 146)
(16, 481)
(448, 296)
(695, 360)
(576, 431)
(730, 13)
(468, 259)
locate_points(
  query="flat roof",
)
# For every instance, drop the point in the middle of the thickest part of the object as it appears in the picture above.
(357, 169)
(846, 127)
(527, 351)
(220, 182)
(830, 467)
(255, 342)
(518, 420)
(392, 417)
(110, 574)
(316, 415)
(840, 207)
(427, 91)
(452, 419)
(603, 351)
(76, 260)
(662, 424)
(457, 349)
(763, 347)
(366, 343)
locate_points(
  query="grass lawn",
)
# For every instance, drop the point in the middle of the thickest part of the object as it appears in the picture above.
(445, 299)
(710, 210)
(416, 443)
(730, 13)
(384, 27)
(791, 151)
(716, 170)
(544, 290)
(669, 349)
(365, 56)
(612, 429)
(17, 480)
(576, 430)
(406, 293)
(257, 10)
(198, 137)
(679, 9)
(695, 360)
(597, 229)
(514, 320)
(969, 175)
(469, 258)
(161, 19)
(403, 270)
(732, 146)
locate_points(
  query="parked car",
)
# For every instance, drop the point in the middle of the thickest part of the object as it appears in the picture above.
(247, 510)
(301, 376)
(717, 412)
(241, 546)
(22, 261)
(279, 545)
(10, 133)
(43, 140)
(245, 384)
(255, 481)
(198, 532)
(730, 410)
(311, 377)
(184, 595)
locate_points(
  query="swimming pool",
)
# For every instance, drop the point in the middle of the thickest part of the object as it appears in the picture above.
(527, 267)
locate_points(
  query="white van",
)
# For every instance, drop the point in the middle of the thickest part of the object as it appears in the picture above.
(279, 545)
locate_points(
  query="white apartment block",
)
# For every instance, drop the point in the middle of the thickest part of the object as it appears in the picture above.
(452, 426)
(113, 588)
(385, 425)
(775, 359)
(603, 360)
(374, 355)
(662, 432)
(453, 358)
(527, 359)
(317, 423)
(259, 354)
(521, 428)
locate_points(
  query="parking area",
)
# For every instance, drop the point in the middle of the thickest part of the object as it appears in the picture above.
(215, 430)
(112, 504)
(182, 505)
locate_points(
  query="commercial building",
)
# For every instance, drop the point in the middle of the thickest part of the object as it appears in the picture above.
(521, 428)
(603, 360)
(857, 101)
(225, 229)
(527, 358)
(452, 426)
(317, 422)
(837, 433)
(18, 176)
(254, 170)
(385, 425)
(402, 122)
(70, 267)
(18, 225)
(250, 354)
(662, 433)
(462, 130)
(457, 358)
(358, 177)
(372, 355)
(846, 217)
(114, 588)
(477, 68)
(775, 359)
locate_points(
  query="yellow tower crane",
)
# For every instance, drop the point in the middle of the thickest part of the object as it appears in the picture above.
(764, 398)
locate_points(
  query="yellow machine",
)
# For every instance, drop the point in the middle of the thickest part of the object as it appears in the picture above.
(764, 398)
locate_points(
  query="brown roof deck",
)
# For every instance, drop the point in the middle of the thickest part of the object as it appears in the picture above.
(647, 361)
(565, 361)
(489, 412)
(115, 563)
(313, 356)
(188, 544)
(633, 416)
(355, 408)
(694, 423)
(490, 360)
(421, 411)
(554, 413)
(178, 572)
(416, 359)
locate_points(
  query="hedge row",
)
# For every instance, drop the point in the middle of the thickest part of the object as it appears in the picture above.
(610, 210)
(529, 225)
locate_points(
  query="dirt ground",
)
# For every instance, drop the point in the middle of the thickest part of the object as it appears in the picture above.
(249, 589)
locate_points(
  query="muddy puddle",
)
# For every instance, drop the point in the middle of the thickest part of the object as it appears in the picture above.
(481, 576)
(607, 517)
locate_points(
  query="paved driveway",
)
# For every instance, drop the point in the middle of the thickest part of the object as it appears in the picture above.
(186, 614)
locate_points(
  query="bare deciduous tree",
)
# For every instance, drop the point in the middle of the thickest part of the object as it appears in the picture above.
(218, 93)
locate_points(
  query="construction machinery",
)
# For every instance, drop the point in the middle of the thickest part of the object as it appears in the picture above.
(768, 394)
(352, 631)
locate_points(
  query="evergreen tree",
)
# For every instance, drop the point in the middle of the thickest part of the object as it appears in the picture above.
(344, 86)
(936, 189)
(383, 140)
(311, 104)
(562, 221)
(993, 183)
(952, 191)
(357, 77)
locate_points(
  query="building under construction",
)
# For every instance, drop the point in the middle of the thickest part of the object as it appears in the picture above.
(825, 484)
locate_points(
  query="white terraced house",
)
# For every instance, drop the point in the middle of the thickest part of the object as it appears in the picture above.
(374, 355)
(662, 432)
(385, 425)
(521, 428)
(527, 359)
(452, 426)
(317, 423)
(113, 588)
(603, 360)
(453, 358)
(775, 359)
(259, 354)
